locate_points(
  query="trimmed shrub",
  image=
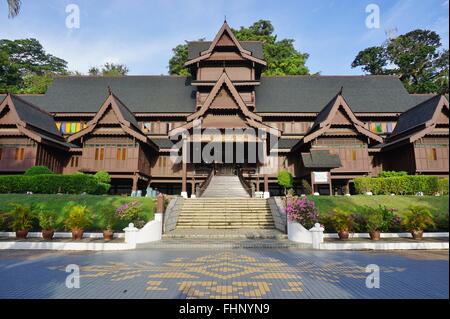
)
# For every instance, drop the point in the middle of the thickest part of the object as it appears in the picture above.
(38, 170)
(103, 177)
(285, 180)
(52, 184)
(443, 186)
(401, 185)
(392, 174)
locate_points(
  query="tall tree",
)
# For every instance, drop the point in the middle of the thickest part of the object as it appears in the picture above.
(13, 7)
(176, 63)
(24, 63)
(113, 69)
(281, 56)
(416, 57)
(372, 60)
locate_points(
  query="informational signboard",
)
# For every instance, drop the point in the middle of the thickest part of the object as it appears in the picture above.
(321, 177)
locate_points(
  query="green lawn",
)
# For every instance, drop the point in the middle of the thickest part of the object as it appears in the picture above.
(93, 202)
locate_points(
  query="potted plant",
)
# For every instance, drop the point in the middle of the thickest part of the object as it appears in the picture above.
(48, 223)
(416, 219)
(21, 220)
(342, 222)
(77, 220)
(378, 220)
(107, 221)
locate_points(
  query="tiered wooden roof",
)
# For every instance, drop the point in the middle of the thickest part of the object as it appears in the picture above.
(20, 117)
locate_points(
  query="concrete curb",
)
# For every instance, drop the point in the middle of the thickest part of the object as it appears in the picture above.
(384, 246)
(73, 246)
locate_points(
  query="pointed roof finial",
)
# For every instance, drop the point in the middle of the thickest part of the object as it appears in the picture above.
(109, 90)
(341, 90)
(225, 19)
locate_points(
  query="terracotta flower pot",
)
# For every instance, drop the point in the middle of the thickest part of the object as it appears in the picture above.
(48, 234)
(77, 234)
(22, 234)
(417, 234)
(108, 235)
(344, 234)
(375, 235)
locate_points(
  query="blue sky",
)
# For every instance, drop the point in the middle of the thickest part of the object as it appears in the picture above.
(142, 33)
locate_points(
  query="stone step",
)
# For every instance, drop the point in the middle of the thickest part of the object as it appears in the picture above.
(223, 227)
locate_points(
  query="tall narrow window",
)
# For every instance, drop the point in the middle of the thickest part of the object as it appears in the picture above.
(99, 154)
(432, 155)
(121, 153)
(354, 155)
(74, 161)
(1, 153)
(20, 154)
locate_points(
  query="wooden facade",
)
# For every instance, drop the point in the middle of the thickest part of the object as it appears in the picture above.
(225, 91)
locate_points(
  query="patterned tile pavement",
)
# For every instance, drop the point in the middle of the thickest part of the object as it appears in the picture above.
(224, 273)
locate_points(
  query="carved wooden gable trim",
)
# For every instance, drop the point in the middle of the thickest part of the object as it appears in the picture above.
(339, 113)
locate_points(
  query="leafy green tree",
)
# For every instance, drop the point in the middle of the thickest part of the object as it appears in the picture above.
(373, 60)
(36, 84)
(281, 56)
(26, 68)
(113, 69)
(109, 69)
(176, 63)
(416, 57)
(94, 71)
(285, 180)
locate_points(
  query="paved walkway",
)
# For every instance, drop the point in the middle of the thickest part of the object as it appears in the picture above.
(226, 273)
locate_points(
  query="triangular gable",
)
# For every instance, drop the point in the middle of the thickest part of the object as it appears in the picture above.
(232, 100)
(7, 117)
(113, 111)
(30, 121)
(438, 117)
(225, 37)
(420, 121)
(224, 100)
(338, 112)
(224, 82)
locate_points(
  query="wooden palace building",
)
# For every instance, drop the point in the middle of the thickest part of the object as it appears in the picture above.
(325, 130)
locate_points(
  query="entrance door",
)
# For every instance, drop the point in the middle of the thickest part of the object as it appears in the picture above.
(225, 169)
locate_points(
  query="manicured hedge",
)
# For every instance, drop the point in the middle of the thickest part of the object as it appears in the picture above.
(443, 186)
(401, 185)
(52, 183)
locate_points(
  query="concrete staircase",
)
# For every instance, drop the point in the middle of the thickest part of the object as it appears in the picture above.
(225, 186)
(225, 213)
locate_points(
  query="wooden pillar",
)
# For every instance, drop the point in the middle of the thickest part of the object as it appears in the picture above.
(266, 183)
(331, 184)
(184, 170)
(135, 183)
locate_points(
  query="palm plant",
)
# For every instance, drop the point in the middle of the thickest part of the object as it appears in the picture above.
(13, 7)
